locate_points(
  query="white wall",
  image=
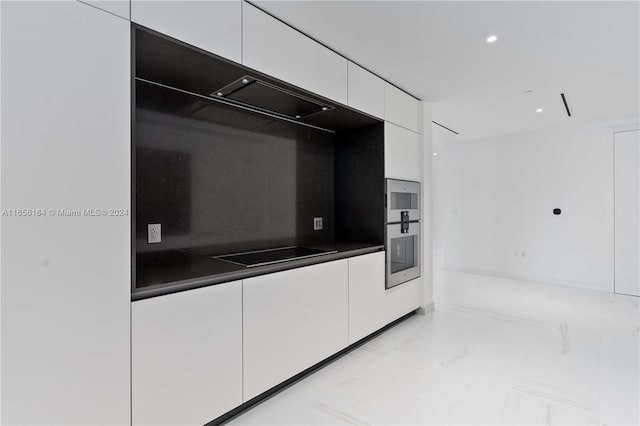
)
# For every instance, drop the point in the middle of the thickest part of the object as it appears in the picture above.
(494, 200)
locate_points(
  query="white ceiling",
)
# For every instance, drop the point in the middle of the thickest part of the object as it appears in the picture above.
(437, 51)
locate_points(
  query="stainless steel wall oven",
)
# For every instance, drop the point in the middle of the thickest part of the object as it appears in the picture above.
(403, 231)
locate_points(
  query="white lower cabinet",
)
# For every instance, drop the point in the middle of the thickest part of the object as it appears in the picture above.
(402, 299)
(200, 353)
(292, 320)
(371, 307)
(187, 356)
(367, 312)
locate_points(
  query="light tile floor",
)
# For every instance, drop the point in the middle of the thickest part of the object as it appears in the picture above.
(495, 351)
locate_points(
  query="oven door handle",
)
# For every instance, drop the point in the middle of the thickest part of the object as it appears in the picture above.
(395, 230)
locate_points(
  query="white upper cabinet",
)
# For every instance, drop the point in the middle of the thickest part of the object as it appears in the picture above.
(291, 321)
(366, 91)
(187, 356)
(402, 153)
(400, 108)
(117, 7)
(367, 309)
(276, 49)
(214, 26)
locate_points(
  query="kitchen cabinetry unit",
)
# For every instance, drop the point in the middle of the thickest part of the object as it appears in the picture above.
(187, 355)
(402, 299)
(400, 108)
(66, 81)
(366, 295)
(117, 7)
(291, 321)
(366, 91)
(402, 153)
(214, 26)
(274, 48)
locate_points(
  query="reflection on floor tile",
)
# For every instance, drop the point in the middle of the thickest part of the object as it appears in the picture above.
(495, 351)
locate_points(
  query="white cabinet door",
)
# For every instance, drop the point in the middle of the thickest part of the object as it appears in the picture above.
(366, 91)
(400, 108)
(187, 356)
(276, 49)
(66, 143)
(291, 321)
(402, 153)
(214, 26)
(402, 299)
(117, 7)
(627, 212)
(366, 295)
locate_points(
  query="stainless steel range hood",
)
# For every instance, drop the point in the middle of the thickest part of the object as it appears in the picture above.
(253, 92)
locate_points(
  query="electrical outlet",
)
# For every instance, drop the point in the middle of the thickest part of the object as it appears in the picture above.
(317, 223)
(154, 233)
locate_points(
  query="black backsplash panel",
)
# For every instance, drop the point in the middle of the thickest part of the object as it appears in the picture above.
(221, 180)
(164, 197)
(359, 194)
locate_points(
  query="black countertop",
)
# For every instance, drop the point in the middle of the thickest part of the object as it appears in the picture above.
(179, 271)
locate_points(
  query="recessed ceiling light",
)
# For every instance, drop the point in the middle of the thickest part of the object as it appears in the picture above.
(492, 39)
(435, 154)
(539, 110)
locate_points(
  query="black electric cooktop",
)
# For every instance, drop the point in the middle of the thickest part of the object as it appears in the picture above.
(267, 257)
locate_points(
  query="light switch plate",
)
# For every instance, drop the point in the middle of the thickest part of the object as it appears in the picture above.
(154, 233)
(317, 223)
